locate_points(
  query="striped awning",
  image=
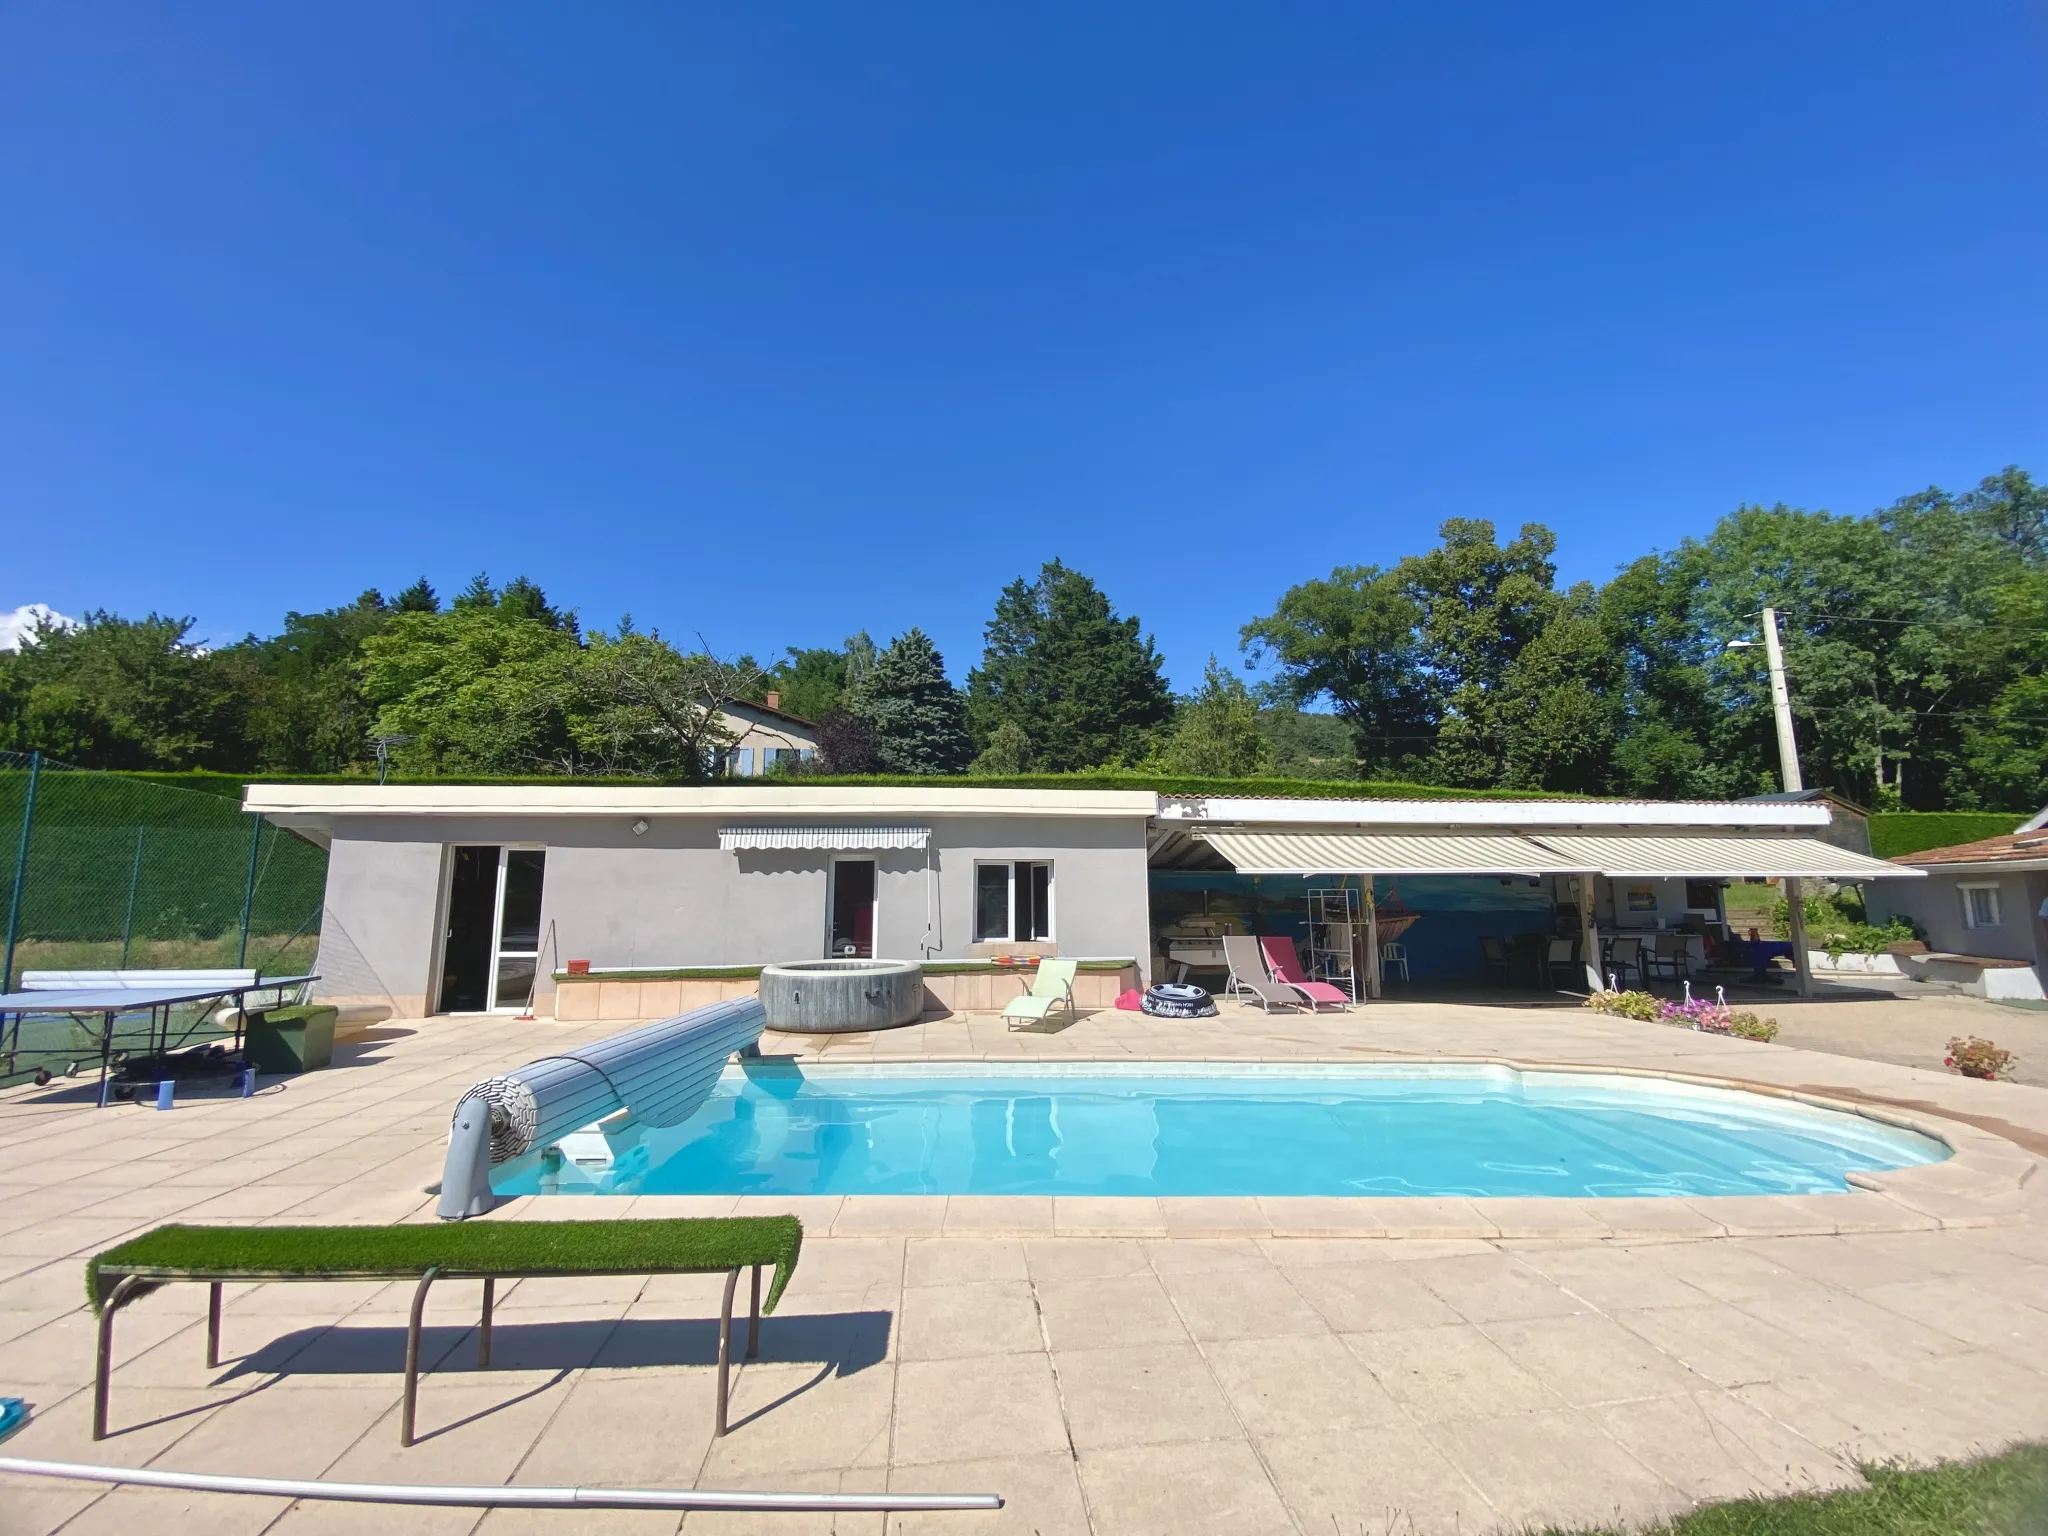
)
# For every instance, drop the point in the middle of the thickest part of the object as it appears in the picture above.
(1644, 856)
(837, 838)
(1383, 853)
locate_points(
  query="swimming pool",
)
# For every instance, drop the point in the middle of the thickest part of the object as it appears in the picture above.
(1155, 1128)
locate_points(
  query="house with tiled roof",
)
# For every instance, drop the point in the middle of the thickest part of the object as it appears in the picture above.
(1983, 909)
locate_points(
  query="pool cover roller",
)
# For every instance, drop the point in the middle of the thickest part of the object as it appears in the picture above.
(659, 1074)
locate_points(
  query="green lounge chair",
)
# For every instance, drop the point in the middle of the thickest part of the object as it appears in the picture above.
(489, 1251)
(1052, 987)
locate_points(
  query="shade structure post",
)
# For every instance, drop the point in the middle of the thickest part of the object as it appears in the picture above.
(1795, 924)
(1372, 939)
(1589, 932)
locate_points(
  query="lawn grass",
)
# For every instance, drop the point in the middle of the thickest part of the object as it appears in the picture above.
(469, 1249)
(2005, 1495)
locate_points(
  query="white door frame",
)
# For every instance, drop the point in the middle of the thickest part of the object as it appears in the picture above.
(874, 901)
(498, 951)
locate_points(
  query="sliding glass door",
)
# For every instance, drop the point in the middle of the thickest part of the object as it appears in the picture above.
(491, 940)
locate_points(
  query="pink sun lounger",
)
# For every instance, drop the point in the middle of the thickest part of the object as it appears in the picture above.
(1285, 965)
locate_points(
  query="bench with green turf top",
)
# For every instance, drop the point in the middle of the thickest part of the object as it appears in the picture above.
(489, 1251)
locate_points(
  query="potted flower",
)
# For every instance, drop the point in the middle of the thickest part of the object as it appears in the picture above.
(1978, 1058)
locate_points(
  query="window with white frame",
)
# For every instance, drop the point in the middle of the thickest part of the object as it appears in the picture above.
(1012, 902)
(1980, 907)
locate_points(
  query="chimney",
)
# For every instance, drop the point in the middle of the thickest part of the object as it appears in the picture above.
(774, 699)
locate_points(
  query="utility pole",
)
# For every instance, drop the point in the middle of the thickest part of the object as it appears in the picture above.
(1781, 704)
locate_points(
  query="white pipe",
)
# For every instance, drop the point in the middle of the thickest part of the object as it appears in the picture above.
(497, 1497)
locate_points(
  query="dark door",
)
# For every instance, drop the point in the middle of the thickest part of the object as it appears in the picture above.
(853, 909)
(468, 939)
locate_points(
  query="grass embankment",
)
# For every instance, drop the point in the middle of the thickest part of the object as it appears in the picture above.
(472, 1249)
(1998, 1496)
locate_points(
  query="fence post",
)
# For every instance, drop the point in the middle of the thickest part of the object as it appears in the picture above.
(249, 891)
(128, 917)
(28, 816)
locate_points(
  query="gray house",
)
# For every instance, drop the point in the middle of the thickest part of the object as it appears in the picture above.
(635, 900)
(1984, 910)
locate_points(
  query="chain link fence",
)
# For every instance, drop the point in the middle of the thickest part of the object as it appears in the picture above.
(99, 871)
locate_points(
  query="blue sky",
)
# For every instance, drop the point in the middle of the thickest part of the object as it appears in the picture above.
(773, 322)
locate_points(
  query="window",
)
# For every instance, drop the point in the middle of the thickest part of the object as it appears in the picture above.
(1012, 902)
(1980, 907)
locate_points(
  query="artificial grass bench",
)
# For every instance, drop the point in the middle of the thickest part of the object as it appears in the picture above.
(489, 1251)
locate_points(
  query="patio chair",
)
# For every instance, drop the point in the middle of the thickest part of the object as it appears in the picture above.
(1493, 960)
(1561, 958)
(1248, 974)
(1623, 956)
(1051, 988)
(1285, 965)
(1392, 956)
(1667, 957)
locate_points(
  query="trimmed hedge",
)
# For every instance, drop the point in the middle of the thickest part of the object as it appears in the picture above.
(1893, 834)
(468, 1249)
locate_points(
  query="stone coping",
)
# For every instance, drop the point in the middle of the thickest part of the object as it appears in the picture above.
(1978, 1186)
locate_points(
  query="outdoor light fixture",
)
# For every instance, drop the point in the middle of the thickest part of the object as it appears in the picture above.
(640, 827)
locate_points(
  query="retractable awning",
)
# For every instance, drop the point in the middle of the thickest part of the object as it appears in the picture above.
(1674, 855)
(836, 838)
(1384, 853)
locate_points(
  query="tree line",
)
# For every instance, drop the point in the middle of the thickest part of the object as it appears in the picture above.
(1915, 637)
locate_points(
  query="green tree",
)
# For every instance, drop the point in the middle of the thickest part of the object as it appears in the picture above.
(1352, 639)
(1006, 754)
(919, 718)
(812, 682)
(1216, 732)
(1082, 684)
(477, 689)
(644, 707)
(122, 693)
(1559, 706)
(303, 688)
(1308, 745)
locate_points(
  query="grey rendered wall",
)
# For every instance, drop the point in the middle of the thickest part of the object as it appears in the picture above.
(377, 931)
(672, 897)
(1936, 904)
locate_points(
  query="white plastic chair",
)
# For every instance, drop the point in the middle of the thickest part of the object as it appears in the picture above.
(1393, 955)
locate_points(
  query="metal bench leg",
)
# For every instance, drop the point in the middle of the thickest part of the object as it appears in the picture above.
(754, 1319)
(213, 1325)
(483, 1338)
(732, 1281)
(412, 1359)
(124, 1288)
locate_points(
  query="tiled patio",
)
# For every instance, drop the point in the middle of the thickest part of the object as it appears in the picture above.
(1170, 1379)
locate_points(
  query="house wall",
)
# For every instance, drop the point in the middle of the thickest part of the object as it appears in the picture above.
(672, 897)
(1936, 904)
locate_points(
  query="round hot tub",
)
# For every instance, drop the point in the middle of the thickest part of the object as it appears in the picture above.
(833, 997)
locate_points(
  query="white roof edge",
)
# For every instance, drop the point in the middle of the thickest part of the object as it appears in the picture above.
(1519, 814)
(294, 801)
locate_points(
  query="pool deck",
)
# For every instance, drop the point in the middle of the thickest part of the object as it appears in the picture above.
(1107, 1366)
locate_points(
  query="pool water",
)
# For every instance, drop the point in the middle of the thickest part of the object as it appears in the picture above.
(1202, 1129)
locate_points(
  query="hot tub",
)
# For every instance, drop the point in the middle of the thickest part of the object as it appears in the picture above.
(832, 997)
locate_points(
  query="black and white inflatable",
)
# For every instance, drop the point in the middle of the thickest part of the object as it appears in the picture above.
(1177, 1000)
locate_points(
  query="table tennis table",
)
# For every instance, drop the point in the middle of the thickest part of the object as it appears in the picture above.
(105, 1005)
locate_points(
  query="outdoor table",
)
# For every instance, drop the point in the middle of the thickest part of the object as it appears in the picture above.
(1758, 954)
(106, 1004)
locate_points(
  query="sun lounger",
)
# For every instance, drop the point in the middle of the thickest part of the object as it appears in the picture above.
(1248, 976)
(1051, 988)
(489, 1251)
(1286, 968)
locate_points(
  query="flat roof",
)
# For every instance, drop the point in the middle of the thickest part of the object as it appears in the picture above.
(1253, 811)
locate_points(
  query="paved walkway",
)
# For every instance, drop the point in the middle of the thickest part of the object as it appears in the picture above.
(1172, 1383)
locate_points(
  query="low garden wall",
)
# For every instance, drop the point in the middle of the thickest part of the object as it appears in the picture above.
(950, 987)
